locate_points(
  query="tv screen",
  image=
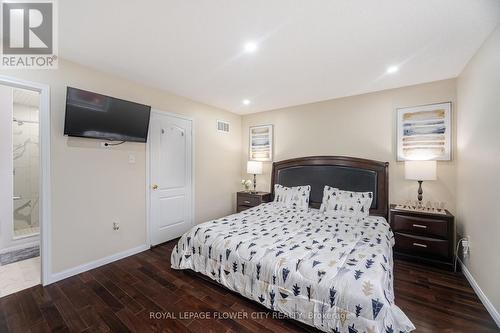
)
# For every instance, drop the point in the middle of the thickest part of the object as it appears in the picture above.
(92, 115)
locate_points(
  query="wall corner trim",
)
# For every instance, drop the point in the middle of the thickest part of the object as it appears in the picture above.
(96, 263)
(482, 296)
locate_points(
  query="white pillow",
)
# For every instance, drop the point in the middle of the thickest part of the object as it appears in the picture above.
(280, 193)
(346, 203)
(293, 197)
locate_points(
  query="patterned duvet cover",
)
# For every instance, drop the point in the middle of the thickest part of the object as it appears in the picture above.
(334, 273)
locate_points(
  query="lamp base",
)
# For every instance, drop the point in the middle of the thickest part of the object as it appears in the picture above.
(420, 196)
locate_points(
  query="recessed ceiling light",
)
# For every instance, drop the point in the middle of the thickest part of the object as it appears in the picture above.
(246, 102)
(392, 69)
(250, 47)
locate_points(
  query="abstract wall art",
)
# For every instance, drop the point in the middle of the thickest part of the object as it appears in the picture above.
(261, 143)
(424, 132)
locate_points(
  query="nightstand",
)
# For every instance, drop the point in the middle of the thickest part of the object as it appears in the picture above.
(424, 237)
(245, 200)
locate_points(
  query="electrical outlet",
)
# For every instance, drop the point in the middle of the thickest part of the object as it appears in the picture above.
(466, 245)
(116, 226)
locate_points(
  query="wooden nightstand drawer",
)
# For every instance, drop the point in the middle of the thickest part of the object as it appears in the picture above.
(424, 246)
(244, 200)
(242, 208)
(420, 225)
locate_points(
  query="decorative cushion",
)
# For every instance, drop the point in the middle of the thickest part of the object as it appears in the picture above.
(294, 197)
(346, 203)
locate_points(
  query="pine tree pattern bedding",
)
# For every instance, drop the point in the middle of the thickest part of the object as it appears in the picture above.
(334, 273)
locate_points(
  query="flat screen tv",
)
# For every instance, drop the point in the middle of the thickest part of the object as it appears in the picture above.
(97, 116)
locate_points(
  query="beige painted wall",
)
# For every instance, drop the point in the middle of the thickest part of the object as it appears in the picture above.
(479, 164)
(360, 126)
(92, 187)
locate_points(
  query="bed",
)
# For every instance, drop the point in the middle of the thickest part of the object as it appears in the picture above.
(332, 273)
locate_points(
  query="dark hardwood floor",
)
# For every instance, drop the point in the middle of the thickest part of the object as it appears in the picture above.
(121, 296)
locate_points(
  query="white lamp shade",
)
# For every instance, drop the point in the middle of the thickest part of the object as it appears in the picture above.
(254, 167)
(420, 170)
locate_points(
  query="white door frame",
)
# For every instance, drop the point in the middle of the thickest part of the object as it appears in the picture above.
(148, 171)
(45, 170)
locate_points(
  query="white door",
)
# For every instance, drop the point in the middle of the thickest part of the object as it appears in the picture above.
(171, 165)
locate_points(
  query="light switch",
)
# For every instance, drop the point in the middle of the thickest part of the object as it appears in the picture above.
(131, 158)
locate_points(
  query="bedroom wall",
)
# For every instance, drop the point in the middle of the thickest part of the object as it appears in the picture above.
(360, 126)
(479, 165)
(92, 187)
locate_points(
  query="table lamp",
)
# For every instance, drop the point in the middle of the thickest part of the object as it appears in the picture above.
(420, 171)
(255, 168)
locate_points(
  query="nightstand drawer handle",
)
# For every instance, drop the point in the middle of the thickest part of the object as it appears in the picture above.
(420, 245)
(246, 201)
(420, 226)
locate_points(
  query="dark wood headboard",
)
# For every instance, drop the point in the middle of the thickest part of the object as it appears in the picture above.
(345, 173)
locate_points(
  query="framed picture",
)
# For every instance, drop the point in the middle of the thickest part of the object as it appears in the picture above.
(261, 143)
(424, 132)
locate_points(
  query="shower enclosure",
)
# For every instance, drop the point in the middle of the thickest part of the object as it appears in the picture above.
(19, 172)
(26, 154)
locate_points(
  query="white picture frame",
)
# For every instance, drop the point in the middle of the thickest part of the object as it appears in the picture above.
(424, 132)
(261, 143)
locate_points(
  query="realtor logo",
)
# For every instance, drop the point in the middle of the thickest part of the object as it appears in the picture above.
(28, 34)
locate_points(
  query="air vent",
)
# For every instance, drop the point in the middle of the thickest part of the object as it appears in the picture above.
(222, 126)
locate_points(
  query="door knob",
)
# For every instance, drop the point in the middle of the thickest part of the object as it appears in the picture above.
(155, 187)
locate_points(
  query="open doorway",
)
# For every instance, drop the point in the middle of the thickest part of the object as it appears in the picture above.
(20, 266)
(23, 185)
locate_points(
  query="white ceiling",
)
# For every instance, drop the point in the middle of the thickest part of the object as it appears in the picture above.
(308, 50)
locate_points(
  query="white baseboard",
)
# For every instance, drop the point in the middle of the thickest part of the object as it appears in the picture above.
(94, 264)
(487, 304)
